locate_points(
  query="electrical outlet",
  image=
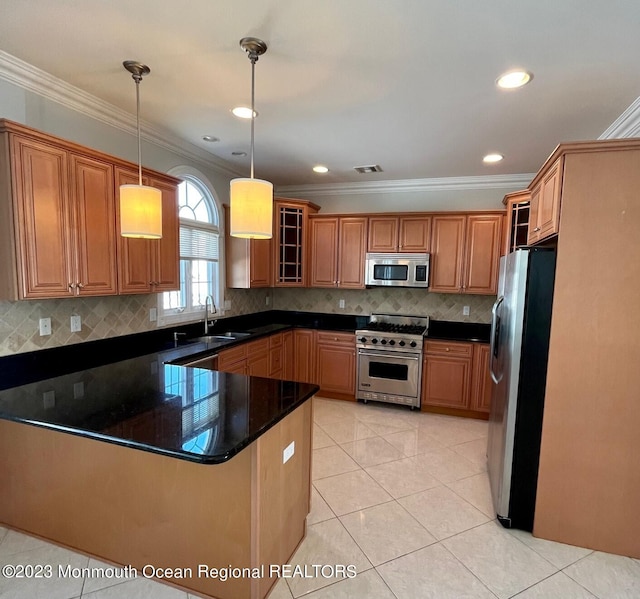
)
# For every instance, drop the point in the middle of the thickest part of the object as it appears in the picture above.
(288, 452)
(49, 400)
(153, 314)
(45, 326)
(341, 304)
(465, 311)
(78, 390)
(76, 323)
(267, 300)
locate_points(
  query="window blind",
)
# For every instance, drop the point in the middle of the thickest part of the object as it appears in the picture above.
(198, 244)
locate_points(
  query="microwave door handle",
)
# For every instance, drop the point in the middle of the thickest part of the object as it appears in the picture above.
(495, 339)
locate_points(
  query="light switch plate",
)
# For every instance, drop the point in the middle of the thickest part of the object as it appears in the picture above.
(465, 311)
(153, 314)
(45, 326)
(288, 452)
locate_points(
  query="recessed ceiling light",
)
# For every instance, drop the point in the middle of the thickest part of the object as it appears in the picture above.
(238, 153)
(514, 79)
(491, 158)
(244, 112)
(320, 169)
(210, 138)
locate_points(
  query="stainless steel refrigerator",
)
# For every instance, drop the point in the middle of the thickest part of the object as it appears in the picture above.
(518, 362)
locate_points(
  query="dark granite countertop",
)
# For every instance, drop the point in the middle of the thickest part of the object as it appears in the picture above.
(145, 403)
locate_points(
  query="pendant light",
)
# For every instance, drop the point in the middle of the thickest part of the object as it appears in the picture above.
(140, 205)
(251, 200)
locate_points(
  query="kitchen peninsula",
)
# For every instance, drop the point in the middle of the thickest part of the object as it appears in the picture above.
(143, 462)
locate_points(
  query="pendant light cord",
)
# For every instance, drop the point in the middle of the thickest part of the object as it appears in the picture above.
(137, 79)
(253, 57)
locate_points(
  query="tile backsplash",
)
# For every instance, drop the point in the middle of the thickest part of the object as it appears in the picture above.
(111, 316)
(102, 317)
(440, 306)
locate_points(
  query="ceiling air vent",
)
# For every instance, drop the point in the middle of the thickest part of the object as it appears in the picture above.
(370, 168)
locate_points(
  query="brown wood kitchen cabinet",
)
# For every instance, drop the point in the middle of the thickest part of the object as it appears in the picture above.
(544, 216)
(399, 234)
(516, 222)
(338, 251)
(336, 364)
(250, 358)
(248, 262)
(287, 356)
(150, 265)
(58, 227)
(291, 241)
(304, 352)
(455, 378)
(465, 253)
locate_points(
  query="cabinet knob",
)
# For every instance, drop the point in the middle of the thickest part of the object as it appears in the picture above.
(80, 285)
(72, 285)
(536, 229)
(446, 349)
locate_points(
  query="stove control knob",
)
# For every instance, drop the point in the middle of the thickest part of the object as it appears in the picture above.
(384, 342)
(401, 343)
(374, 340)
(392, 342)
(362, 339)
(413, 344)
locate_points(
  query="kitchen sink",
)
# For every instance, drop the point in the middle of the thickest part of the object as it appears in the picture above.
(213, 338)
(235, 335)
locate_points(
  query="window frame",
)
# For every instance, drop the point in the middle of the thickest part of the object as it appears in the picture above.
(172, 318)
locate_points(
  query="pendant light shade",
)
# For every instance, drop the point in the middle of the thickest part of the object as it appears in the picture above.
(140, 211)
(251, 200)
(140, 205)
(251, 208)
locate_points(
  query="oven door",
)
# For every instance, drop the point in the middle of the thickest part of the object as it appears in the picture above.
(393, 373)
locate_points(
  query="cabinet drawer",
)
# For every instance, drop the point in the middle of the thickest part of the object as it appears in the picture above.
(257, 347)
(231, 355)
(333, 338)
(448, 348)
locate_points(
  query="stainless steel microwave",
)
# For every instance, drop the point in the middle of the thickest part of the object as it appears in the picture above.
(397, 270)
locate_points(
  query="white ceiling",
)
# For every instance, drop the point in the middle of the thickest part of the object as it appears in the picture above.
(406, 84)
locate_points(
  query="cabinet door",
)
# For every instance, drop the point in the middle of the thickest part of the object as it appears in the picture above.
(304, 356)
(383, 234)
(482, 260)
(287, 356)
(336, 363)
(166, 252)
(94, 226)
(481, 383)
(414, 234)
(549, 207)
(351, 252)
(260, 260)
(258, 357)
(446, 381)
(290, 244)
(324, 247)
(43, 225)
(447, 254)
(134, 255)
(534, 208)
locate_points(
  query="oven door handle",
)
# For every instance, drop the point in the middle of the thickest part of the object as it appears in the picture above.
(384, 354)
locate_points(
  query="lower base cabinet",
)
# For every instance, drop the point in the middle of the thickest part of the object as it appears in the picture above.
(455, 378)
(336, 364)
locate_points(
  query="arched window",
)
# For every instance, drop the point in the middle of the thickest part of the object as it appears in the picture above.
(200, 255)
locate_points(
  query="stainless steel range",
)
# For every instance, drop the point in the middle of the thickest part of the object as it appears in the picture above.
(390, 359)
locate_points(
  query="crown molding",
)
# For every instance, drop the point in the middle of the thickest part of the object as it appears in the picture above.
(626, 125)
(37, 81)
(510, 182)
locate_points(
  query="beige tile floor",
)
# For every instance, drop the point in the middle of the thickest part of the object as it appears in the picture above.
(404, 498)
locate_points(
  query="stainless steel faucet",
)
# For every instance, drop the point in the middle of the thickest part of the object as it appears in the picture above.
(206, 312)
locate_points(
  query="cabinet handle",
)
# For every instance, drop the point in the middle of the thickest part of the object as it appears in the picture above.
(536, 229)
(80, 286)
(72, 285)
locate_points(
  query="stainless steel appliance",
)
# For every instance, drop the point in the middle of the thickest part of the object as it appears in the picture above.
(518, 362)
(397, 270)
(390, 359)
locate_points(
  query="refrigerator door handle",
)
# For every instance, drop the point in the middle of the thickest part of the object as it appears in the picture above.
(495, 338)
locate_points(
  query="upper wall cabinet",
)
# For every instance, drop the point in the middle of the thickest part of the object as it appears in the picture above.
(338, 251)
(516, 222)
(544, 218)
(150, 265)
(58, 228)
(248, 261)
(291, 241)
(465, 253)
(399, 234)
